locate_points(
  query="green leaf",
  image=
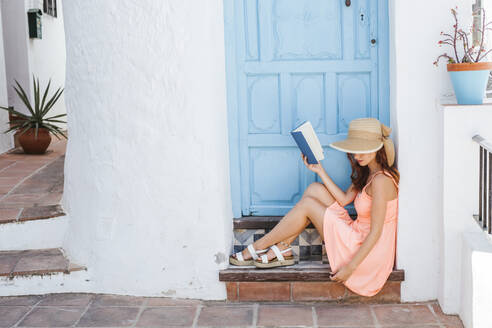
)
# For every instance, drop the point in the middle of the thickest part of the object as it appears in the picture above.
(52, 101)
(45, 94)
(22, 95)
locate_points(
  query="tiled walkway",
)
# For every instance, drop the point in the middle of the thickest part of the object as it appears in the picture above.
(98, 310)
(31, 186)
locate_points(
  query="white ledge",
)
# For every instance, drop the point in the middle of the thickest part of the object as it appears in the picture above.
(485, 106)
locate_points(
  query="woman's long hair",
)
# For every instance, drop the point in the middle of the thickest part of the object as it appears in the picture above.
(361, 173)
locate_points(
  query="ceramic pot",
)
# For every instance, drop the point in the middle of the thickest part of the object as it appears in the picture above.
(30, 145)
(470, 81)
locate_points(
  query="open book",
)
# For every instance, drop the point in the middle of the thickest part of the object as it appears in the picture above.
(308, 142)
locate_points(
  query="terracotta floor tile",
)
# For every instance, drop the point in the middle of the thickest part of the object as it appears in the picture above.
(288, 315)
(19, 300)
(167, 316)
(226, 316)
(9, 214)
(449, 320)
(117, 300)
(10, 315)
(52, 317)
(7, 264)
(9, 181)
(66, 299)
(167, 301)
(22, 198)
(41, 264)
(109, 317)
(404, 314)
(354, 315)
(40, 212)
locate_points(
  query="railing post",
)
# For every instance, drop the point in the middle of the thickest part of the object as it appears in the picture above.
(480, 195)
(487, 221)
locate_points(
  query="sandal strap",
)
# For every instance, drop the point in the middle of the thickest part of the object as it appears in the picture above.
(239, 256)
(264, 258)
(254, 253)
(278, 253)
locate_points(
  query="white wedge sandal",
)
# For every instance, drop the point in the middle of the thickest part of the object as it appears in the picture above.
(280, 260)
(239, 259)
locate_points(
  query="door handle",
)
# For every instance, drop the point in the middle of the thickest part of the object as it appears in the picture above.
(373, 41)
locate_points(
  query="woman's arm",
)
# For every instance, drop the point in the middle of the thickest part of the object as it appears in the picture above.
(342, 197)
(381, 189)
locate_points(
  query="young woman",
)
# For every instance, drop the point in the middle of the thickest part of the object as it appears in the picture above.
(361, 252)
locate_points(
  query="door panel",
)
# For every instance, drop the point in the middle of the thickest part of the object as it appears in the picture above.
(290, 61)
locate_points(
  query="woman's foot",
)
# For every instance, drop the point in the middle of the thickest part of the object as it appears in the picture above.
(281, 246)
(247, 254)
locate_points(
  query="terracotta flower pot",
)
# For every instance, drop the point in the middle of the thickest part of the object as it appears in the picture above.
(30, 145)
(469, 81)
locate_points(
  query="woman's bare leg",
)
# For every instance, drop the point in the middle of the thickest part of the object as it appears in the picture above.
(310, 208)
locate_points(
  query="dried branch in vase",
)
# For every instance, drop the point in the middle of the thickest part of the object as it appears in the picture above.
(470, 52)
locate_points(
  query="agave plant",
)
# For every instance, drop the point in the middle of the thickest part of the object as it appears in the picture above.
(38, 111)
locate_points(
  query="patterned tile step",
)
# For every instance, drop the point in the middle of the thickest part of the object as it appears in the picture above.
(35, 262)
(308, 246)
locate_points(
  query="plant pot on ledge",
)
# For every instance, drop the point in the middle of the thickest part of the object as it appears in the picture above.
(469, 81)
(35, 145)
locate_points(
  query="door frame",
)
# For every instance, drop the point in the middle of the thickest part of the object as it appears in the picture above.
(230, 38)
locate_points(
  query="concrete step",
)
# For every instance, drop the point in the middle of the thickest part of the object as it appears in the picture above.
(35, 262)
(304, 281)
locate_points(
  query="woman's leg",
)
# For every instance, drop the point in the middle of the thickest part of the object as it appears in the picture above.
(310, 208)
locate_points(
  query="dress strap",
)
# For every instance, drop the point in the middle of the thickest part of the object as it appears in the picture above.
(388, 174)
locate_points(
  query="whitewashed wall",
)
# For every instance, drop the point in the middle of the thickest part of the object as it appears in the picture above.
(417, 88)
(45, 58)
(147, 169)
(147, 175)
(462, 275)
(6, 141)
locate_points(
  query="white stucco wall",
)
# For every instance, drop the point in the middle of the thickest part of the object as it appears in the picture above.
(6, 140)
(476, 285)
(16, 50)
(147, 170)
(460, 191)
(416, 90)
(45, 58)
(146, 173)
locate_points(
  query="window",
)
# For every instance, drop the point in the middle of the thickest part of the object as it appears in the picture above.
(49, 7)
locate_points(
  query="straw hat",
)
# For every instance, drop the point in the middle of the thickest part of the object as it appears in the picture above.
(366, 135)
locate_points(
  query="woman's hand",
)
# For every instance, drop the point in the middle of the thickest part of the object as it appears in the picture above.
(343, 274)
(316, 168)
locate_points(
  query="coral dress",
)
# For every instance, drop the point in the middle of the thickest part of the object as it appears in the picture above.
(343, 237)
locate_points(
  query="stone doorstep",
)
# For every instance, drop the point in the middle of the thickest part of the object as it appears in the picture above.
(35, 262)
(305, 281)
(42, 212)
(300, 291)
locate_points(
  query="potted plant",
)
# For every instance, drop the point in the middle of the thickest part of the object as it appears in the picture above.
(34, 128)
(469, 75)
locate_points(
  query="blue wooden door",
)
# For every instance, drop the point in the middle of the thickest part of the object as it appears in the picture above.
(290, 61)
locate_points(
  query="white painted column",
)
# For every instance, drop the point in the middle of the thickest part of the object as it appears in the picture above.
(6, 140)
(147, 167)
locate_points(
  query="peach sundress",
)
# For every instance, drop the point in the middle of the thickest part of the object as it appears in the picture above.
(343, 237)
